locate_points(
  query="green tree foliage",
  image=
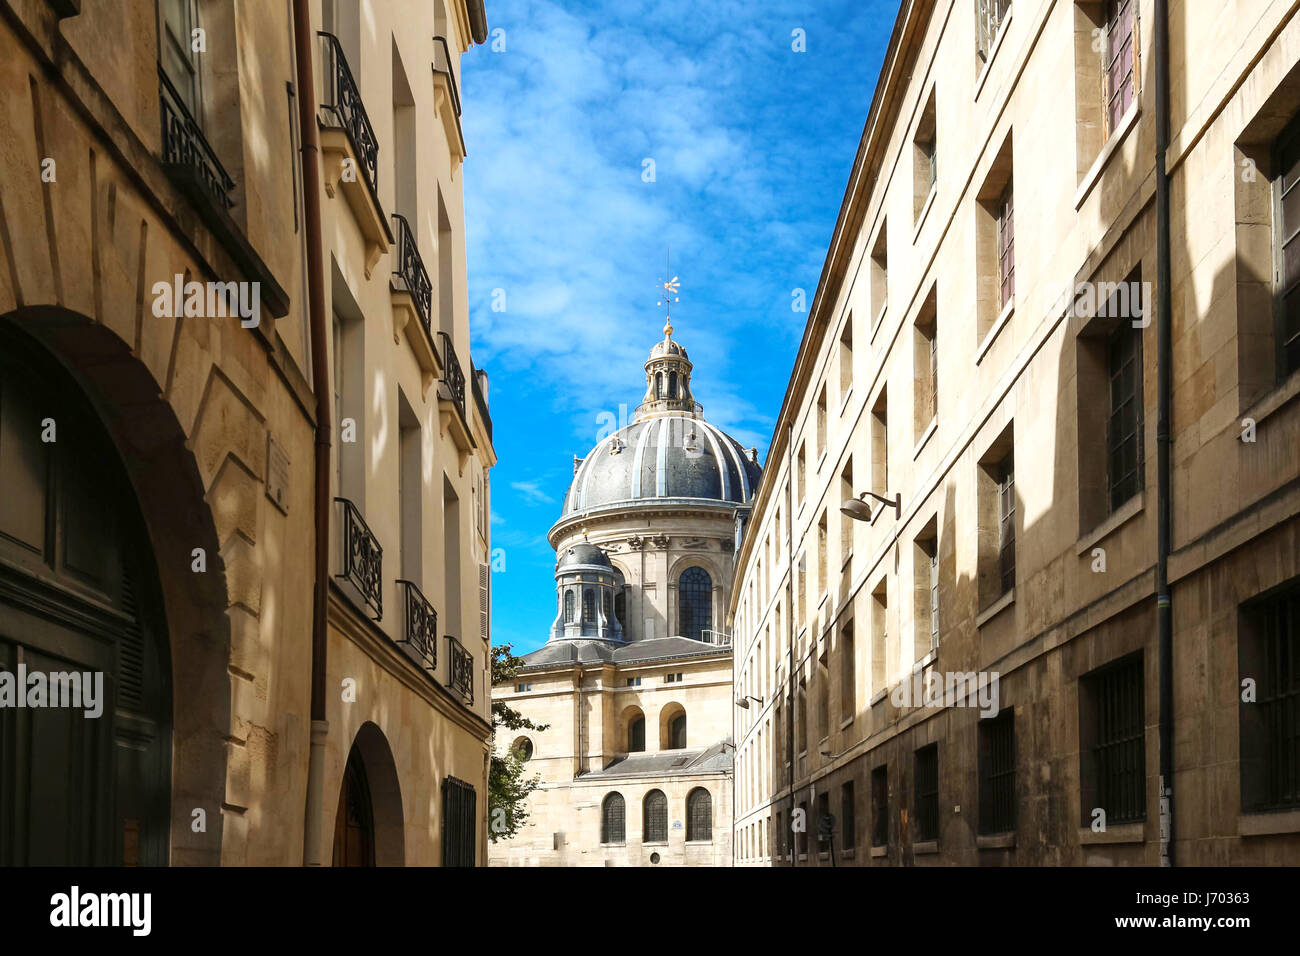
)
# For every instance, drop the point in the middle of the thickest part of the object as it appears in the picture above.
(508, 782)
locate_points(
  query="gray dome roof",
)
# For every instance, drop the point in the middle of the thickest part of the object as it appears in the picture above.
(667, 456)
(584, 553)
(667, 347)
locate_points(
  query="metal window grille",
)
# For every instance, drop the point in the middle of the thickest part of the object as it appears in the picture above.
(926, 793)
(997, 773)
(655, 824)
(1124, 429)
(613, 819)
(1119, 750)
(459, 802)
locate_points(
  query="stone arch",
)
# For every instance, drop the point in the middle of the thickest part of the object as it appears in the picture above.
(384, 794)
(719, 571)
(150, 443)
(629, 734)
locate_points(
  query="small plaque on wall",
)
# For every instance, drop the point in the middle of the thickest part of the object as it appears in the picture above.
(277, 475)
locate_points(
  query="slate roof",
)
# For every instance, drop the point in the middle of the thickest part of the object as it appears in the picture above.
(579, 651)
(669, 763)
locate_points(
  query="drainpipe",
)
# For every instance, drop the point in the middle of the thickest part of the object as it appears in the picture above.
(1164, 370)
(313, 833)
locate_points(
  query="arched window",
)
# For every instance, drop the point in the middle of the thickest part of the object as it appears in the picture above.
(677, 733)
(613, 820)
(659, 384)
(620, 609)
(588, 606)
(672, 384)
(654, 824)
(695, 603)
(699, 815)
(568, 607)
(607, 604)
(636, 735)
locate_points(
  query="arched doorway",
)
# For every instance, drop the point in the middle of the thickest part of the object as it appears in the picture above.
(368, 824)
(85, 774)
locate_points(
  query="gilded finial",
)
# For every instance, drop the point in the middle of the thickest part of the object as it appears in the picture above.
(670, 287)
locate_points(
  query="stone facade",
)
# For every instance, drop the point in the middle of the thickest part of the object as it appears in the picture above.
(116, 179)
(1002, 422)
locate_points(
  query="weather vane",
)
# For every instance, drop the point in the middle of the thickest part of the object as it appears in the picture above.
(668, 295)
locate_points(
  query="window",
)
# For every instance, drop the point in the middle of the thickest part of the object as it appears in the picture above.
(880, 446)
(847, 524)
(634, 682)
(699, 815)
(995, 258)
(846, 359)
(607, 605)
(821, 422)
(177, 20)
(1123, 434)
(801, 482)
(989, 17)
(925, 166)
(880, 806)
(926, 558)
(848, 673)
(459, 801)
(695, 603)
(1269, 652)
(778, 835)
(613, 819)
(1112, 748)
(1119, 61)
(824, 691)
(636, 735)
(848, 821)
(996, 503)
(879, 276)
(1286, 249)
(879, 635)
(926, 371)
(654, 824)
(997, 773)
(568, 607)
(926, 793)
(673, 678)
(677, 733)
(1007, 523)
(1006, 247)
(588, 606)
(801, 837)
(821, 820)
(521, 688)
(523, 749)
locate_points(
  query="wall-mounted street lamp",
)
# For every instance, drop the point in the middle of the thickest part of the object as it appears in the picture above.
(859, 509)
(743, 701)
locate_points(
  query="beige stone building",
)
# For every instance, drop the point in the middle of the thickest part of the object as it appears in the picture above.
(1009, 324)
(634, 682)
(184, 302)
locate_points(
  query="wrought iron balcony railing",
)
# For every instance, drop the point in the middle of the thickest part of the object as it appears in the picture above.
(362, 558)
(410, 269)
(443, 65)
(462, 670)
(184, 146)
(419, 626)
(453, 379)
(341, 98)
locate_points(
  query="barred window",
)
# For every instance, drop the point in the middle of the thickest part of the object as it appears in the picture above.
(1112, 723)
(926, 793)
(459, 802)
(1124, 430)
(613, 819)
(655, 822)
(1269, 653)
(699, 815)
(997, 773)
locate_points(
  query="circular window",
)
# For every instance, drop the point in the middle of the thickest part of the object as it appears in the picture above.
(654, 857)
(523, 749)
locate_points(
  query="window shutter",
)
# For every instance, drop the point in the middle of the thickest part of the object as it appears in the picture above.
(484, 602)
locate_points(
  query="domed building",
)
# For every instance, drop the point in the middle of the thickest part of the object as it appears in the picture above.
(634, 681)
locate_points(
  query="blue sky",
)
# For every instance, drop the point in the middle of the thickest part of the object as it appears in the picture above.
(752, 144)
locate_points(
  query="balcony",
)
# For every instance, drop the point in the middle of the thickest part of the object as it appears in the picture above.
(462, 670)
(419, 627)
(350, 148)
(361, 559)
(446, 100)
(480, 403)
(186, 155)
(412, 294)
(721, 638)
(451, 398)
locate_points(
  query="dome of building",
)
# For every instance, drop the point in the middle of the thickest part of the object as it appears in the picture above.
(583, 554)
(668, 451)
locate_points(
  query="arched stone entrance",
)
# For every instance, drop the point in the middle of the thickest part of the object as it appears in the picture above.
(369, 822)
(97, 527)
